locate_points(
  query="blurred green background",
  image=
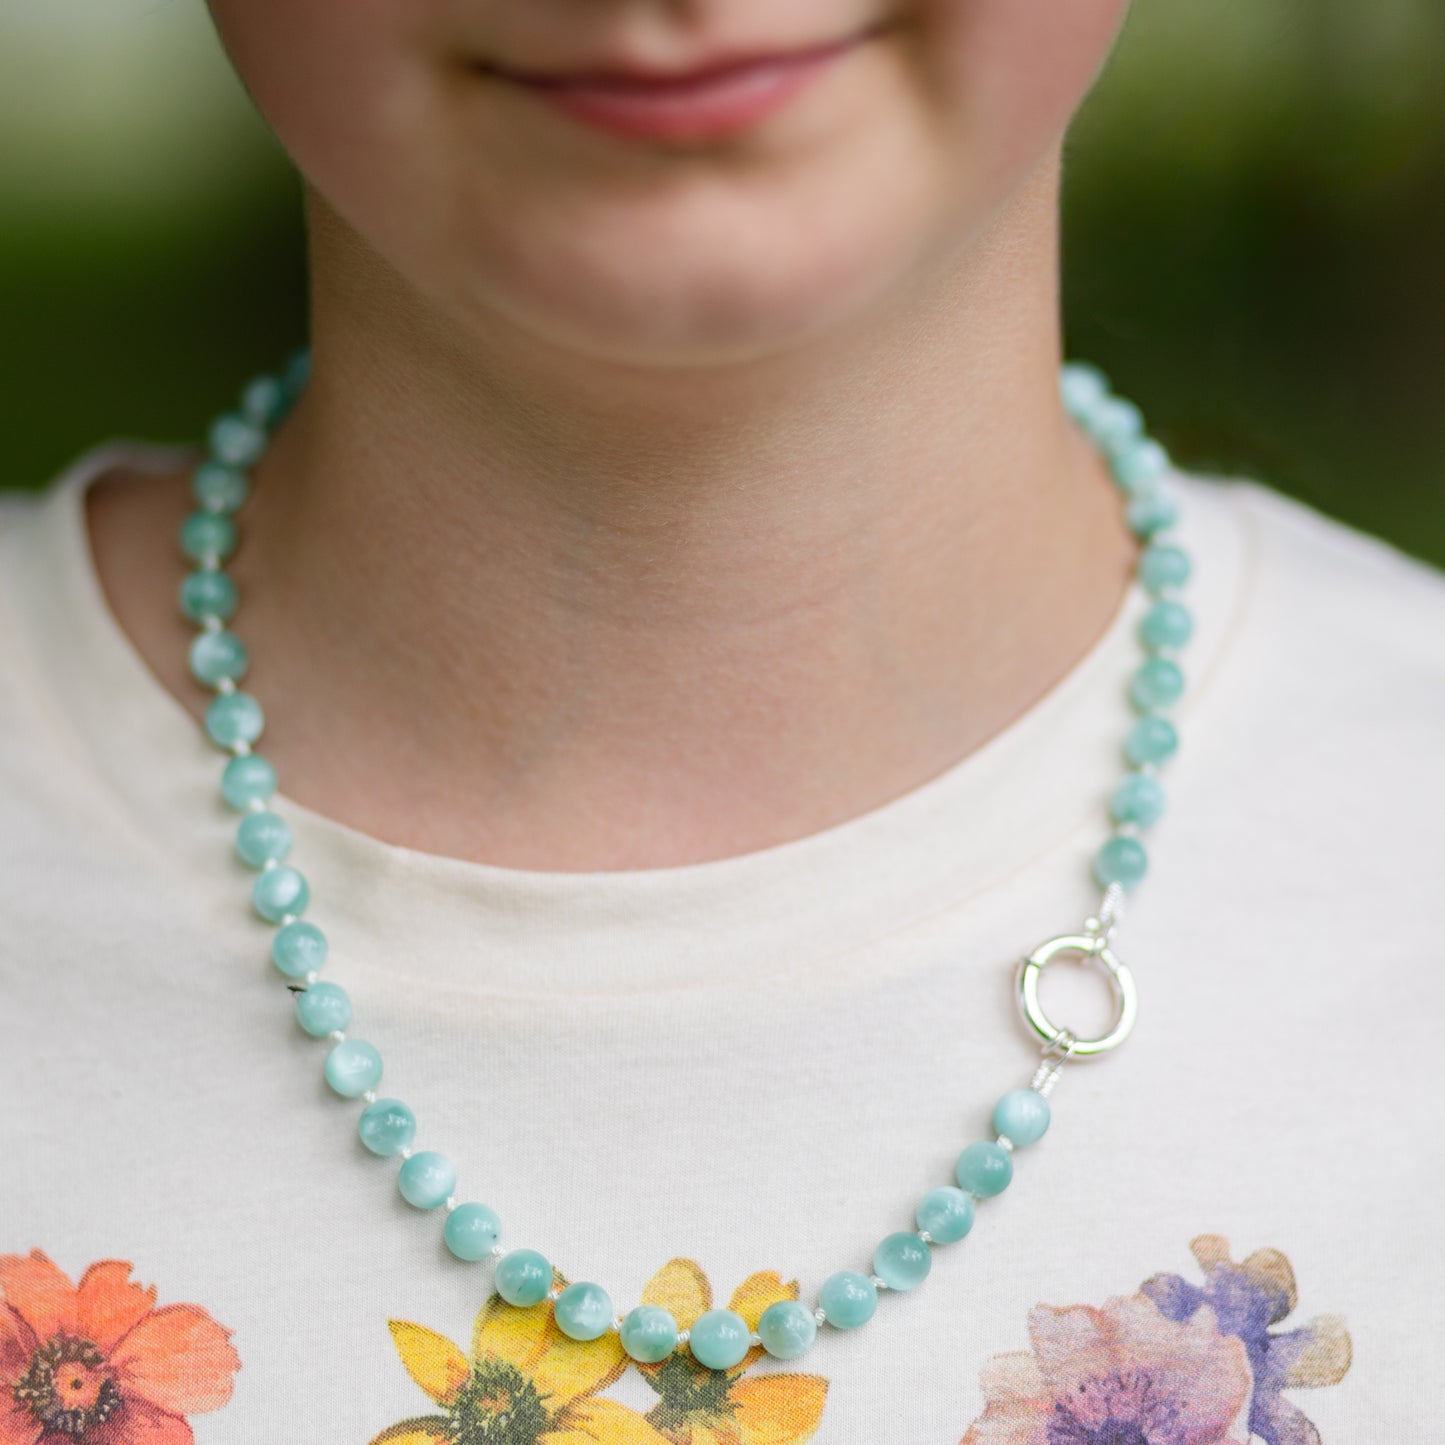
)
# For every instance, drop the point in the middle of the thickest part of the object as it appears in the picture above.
(1254, 239)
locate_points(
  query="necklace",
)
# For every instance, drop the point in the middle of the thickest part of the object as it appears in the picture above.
(427, 1179)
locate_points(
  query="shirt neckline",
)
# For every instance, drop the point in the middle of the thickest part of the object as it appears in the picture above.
(1033, 795)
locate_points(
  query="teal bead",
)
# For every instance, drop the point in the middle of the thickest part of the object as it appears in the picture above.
(208, 594)
(719, 1339)
(472, 1231)
(523, 1277)
(1150, 512)
(1022, 1116)
(648, 1334)
(946, 1213)
(261, 836)
(218, 655)
(352, 1067)
(1137, 799)
(984, 1169)
(902, 1260)
(787, 1329)
(279, 891)
(1157, 684)
(1121, 860)
(206, 535)
(1138, 468)
(1082, 387)
(236, 442)
(297, 373)
(234, 717)
(263, 402)
(386, 1126)
(298, 949)
(323, 1008)
(247, 778)
(1152, 739)
(219, 488)
(427, 1181)
(583, 1311)
(848, 1298)
(1166, 625)
(1162, 566)
(1115, 424)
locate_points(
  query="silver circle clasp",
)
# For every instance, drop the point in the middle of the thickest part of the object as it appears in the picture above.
(1088, 946)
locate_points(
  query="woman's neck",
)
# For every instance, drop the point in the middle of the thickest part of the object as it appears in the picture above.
(514, 605)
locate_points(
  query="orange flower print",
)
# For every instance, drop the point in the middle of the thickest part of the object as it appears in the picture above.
(698, 1406)
(97, 1364)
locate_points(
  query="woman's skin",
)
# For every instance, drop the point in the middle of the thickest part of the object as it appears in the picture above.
(655, 501)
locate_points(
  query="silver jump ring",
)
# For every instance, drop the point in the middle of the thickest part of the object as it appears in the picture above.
(1121, 982)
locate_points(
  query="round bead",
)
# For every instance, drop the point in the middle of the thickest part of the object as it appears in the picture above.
(902, 1260)
(1138, 799)
(1022, 1115)
(649, 1334)
(1152, 739)
(208, 534)
(427, 1180)
(208, 594)
(1166, 624)
(352, 1067)
(1158, 684)
(260, 836)
(297, 373)
(323, 1008)
(279, 891)
(246, 778)
(298, 948)
(218, 655)
(234, 718)
(984, 1169)
(719, 1339)
(386, 1126)
(523, 1277)
(1137, 469)
(235, 441)
(1151, 511)
(848, 1298)
(1115, 423)
(219, 488)
(1082, 386)
(583, 1311)
(787, 1329)
(471, 1231)
(1162, 566)
(263, 402)
(946, 1213)
(1121, 860)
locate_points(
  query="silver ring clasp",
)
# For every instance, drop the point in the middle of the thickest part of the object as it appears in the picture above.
(1091, 946)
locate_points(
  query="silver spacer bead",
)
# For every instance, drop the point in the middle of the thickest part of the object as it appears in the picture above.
(616, 1325)
(1004, 1142)
(405, 1151)
(269, 864)
(497, 1251)
(925, 1236)
(241, 748)
(225, 686)
(312, 976)
(755, 1337)
(369, 1097)
(821, 1315)
(211, 562)
(211, 623)
(255, 805)
(878, 1283)
(337, 1035)
(451, 1203)
(553, 1293)
(683, 1336)
(288, 918)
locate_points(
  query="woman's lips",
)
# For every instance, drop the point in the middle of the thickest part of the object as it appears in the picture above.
(703, 105)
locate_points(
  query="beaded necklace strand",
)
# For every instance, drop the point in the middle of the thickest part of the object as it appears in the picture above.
(720, 1338)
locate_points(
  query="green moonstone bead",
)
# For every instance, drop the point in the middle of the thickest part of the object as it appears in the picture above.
(246, 778)
(1082, 387)
(649, 1334)
(1152, 739)
(719, 1339)
(236, 442)
(219, 488)
(263, 402)
(902, 1260)
(1121, 860)
(386, 1126)
(298, 948)
(1156, 685)
(262, 836)
(233, 718)
(1162, 566)
(946, 1213)
(984, 1169)
(1137, 799)
(297, 373)
(849, 1299)
(523, 1277)
(471, 1231)
(1166, 625)
(1138, 468)
(1115, 424)
(218, 655)
(427, 1181)
(352, 1067)
(1022, 1115)
(1150, 512)
(279, 891)
(787, 1329)
(208, 594)
(208, 534)
(583, 1311)
(323, 1008)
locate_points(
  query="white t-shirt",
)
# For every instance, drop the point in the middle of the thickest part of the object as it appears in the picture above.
(1232, 1228)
